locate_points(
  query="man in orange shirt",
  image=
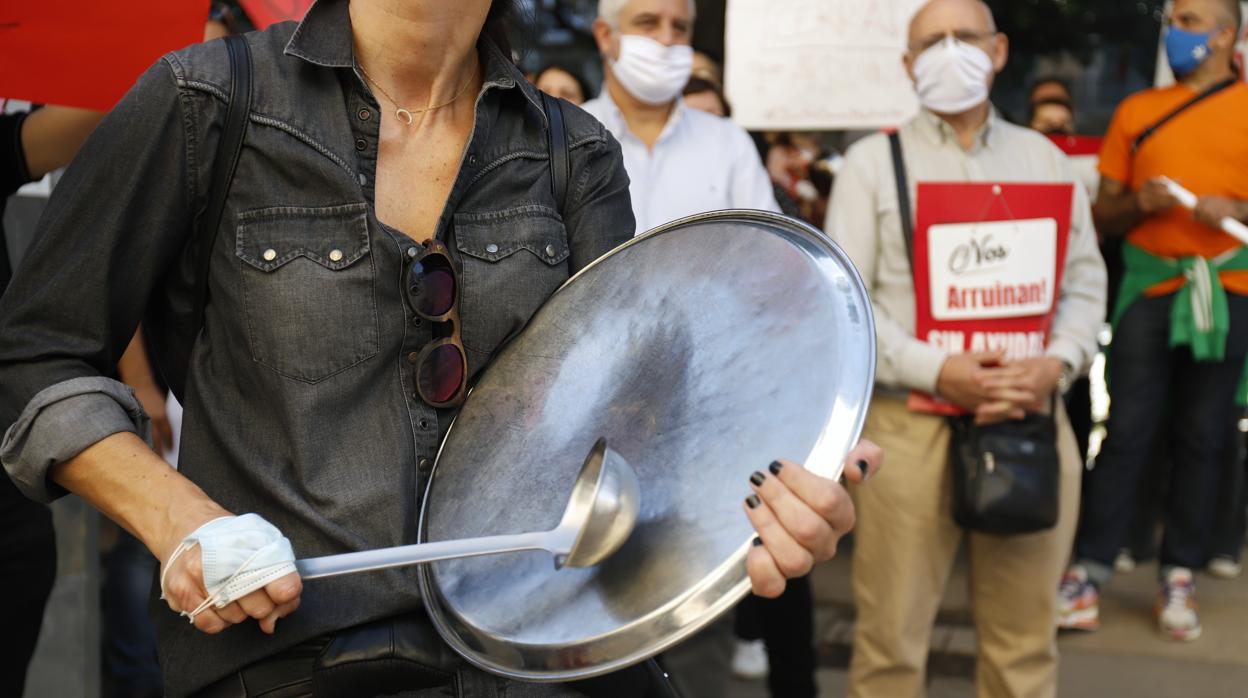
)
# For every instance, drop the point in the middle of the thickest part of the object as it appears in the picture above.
(1181, 319)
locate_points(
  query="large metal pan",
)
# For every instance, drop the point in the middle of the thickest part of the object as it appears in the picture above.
(701, 351)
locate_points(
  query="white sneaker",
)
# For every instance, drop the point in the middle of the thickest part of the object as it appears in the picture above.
(1124, 563)
(750, 660)
(1176, 606)
(1225, 567)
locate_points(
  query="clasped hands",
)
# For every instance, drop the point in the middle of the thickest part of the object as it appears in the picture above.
(995, 390)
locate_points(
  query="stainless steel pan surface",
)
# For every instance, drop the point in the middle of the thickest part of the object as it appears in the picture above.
(701, 351)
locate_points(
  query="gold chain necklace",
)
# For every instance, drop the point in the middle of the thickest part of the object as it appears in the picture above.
(405, 115)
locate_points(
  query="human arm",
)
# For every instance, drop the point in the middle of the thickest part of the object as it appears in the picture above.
(1210, 210)
(1119, 209)
(115, 223)
(600, 215)
(52, 135)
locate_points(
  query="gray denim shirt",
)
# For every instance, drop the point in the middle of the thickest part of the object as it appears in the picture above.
(300, 402)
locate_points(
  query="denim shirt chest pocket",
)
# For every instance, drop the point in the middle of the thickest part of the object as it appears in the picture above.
(511, 260)
(308, 286)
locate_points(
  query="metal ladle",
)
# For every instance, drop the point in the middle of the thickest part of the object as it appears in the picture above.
(598, 519)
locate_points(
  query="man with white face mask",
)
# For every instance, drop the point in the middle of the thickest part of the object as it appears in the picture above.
(680, 161)
(907, 539)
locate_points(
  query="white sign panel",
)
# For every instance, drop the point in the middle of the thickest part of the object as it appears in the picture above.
(1001, 269)
(818, 64)
(1165, 77)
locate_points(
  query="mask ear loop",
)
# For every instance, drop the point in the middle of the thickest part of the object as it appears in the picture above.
(214, 596)
(186, 544)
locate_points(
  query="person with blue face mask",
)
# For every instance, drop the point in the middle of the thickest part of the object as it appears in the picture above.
(1181, 315)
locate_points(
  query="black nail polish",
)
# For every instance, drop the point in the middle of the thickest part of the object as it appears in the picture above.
(757, 478)
(752, 501)
(757, 541)
(775, 467)
(862, 465)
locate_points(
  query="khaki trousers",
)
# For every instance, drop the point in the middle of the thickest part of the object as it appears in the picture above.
(904, 549)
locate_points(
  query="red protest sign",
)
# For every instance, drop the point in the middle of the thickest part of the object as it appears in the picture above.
(988, 262)
(262, 13)
(87, 53)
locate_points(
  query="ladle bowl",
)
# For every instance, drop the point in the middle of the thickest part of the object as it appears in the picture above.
(599, 517)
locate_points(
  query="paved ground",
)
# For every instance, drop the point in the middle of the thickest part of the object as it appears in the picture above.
(1126, 657)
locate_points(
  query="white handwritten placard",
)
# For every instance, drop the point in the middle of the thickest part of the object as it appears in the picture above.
(997, 269)
(818, 64)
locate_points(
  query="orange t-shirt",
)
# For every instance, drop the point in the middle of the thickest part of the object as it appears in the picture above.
(1205, 149)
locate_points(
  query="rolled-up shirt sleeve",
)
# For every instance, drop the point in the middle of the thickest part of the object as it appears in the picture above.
(114, 224)
(60, 422)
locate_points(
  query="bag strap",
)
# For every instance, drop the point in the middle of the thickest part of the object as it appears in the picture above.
(903, 195)
(228, 150)
(560, 163)
(1148, 132)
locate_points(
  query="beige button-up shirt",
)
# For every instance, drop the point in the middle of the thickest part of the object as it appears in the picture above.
(864, 219)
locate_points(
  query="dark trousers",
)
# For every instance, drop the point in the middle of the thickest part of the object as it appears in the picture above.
(786, 625)
(1143, 373)
(1232, 518)
(27, 571)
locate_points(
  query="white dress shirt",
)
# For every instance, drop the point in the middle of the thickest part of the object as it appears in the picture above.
(701, 162)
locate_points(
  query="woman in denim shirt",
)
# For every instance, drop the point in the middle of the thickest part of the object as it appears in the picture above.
(301, 394)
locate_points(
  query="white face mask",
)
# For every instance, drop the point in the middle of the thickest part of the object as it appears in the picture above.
(952, 77)
(240, 554)
(650, 71)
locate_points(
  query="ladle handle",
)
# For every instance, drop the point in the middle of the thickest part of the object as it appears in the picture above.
(401, 556)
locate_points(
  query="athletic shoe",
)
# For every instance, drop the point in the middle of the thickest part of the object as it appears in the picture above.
(1078, 601)
(1124, 563)
(1225, 566)
(750, 660)
(1176, 606)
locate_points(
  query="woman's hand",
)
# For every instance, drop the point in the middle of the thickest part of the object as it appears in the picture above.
(800, 517)
(184, 590)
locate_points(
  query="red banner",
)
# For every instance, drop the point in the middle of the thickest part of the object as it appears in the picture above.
(1077, 145)
(87, 53)
(262, 13)
(988, 262)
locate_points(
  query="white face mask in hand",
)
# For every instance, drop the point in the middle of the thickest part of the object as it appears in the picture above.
(952, 76)
(240, 554)
(650, 71)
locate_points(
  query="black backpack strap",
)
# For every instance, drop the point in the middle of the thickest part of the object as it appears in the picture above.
(903, 195)
(228, 150)
(1148, 132)
(560, 163)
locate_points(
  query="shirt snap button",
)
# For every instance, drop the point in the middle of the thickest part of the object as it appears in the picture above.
(424, 463)
(364, 114)
(411, 252)
(491, 248)
(412, 357)
(270, 255)
(335, 256)
(550, 250)
(360, 144)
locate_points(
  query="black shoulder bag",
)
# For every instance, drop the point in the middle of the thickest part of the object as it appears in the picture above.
(178, 317)
(1006, 476)
(1156, 126)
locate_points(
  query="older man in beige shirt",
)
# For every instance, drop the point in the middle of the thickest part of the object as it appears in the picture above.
(906, 536)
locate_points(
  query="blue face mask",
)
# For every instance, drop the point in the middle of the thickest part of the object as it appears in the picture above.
(1186, 50)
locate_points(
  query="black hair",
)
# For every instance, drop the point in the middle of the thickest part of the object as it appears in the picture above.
(1050, 80)
(698, 85)
(1050, 101)
(500, 21)
(580, 81)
